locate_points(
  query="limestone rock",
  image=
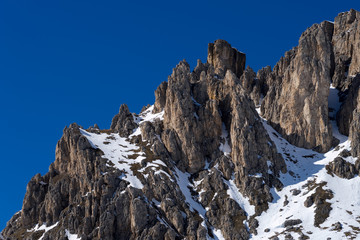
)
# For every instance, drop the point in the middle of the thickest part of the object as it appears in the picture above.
(123, 122)
(337, 226)
(292, 222)
(297, 106)
(208, 141)
(252, 85)
(346, 41)
(188, 124)
(344, 116)
(160, 97)
(354, 133)
(223, 57)
(342, 168)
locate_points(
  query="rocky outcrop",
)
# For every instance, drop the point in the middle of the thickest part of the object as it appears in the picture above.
(292, 222)
(252, 85)
(160, 97)
(354, 133)
(296, 106)
(346, 41)
(84, 196)
(347, 74)
(190, 115)
(123, 122)
(189, 124)
(319, 198)
(223, 57)
(344, 116)
(342, 168)
(210, 140)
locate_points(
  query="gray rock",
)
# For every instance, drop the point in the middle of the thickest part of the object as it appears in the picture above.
(354, 133)
(296, 104)
(344, 116)
(160, 97)
(337, 226)
(292, 222)
(212, 106)
(342, 168)
(288, 236)
(346, 41)
(223, 57)
(309, 201)
(295, 192)
(123, 122)
(251, 85)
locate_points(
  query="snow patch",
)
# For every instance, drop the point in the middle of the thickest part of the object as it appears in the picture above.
(183, 183)
(147, 116)
(225, 147)
(120, 152)
(71, 236)
(305, 165)
(42, 228)
(234, 194)
(218, 234)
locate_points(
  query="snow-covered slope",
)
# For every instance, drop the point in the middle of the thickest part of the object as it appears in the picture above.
(306, 174)
(306, 171)
(304, 167)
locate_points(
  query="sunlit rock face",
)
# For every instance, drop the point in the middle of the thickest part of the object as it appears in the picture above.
(224, 153)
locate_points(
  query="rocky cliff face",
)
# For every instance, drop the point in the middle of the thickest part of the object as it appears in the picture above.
(346, 41)
(223, 57)
(297, 106)
(201, 163)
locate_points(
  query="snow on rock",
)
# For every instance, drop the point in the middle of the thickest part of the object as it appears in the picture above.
(303, 166)
(71, 236)
(146, 116)
(225, 147)
(183, 183)
(243, 202)
(42, 228)
(334, 106)
(120, 152)
(218, 235)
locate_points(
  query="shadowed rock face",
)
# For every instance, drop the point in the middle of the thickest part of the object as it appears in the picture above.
(346, 78)
(354, 132)
(344, 116)
(346, 41)
(296, 103)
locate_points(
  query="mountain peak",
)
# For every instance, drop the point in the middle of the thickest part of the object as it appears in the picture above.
(223, 57)
(224, 153)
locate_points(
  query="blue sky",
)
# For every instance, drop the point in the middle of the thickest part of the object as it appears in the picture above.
(77, 61)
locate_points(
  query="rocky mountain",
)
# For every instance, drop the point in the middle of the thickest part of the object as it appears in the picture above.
(223, 153)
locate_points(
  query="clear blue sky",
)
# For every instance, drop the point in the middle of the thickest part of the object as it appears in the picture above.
(77, 61)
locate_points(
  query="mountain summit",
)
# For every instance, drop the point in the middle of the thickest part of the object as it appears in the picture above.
(224, 153)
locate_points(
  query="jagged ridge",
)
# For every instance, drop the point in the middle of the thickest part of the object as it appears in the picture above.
(201, 163)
